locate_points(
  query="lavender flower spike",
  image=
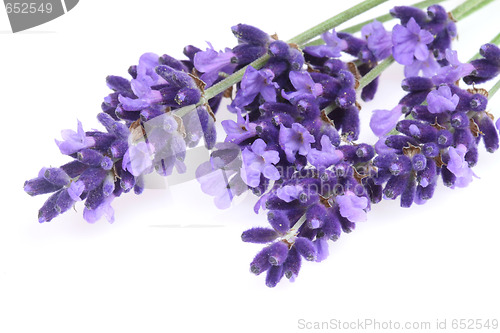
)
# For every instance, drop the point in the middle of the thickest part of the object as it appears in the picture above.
(74, 141)
(257, 161)
(410, 42)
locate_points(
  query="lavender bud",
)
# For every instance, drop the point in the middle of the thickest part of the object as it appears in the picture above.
(108, 185)
(430, 149)
(417, 83)
(56, 176)
(249, 34)
(277, 253)
(425, 193)
(444, 138)
(74, 168)
(491, 52)
(118, 148)
(39, 186)
(113, 127)
(306, 248)
(396, 185)
(63, 202)
(259, 235)
(278, 49)
(472, 156)
(405, 13)
(459, 120)
(279, 221)
(315, 216)
(172, 62)
(408, 193)
(463, 136)
(400, 166)
(48, 210)
(419, 162)
(449, 177)
(346, 97)
(118, 83)
(478, 102)
(261, 262)
(428, 174)
(274, 276)
(291, 266)
(92, 177)
(399, 141)
(95, 198)
(490, 134)
(246, 53)
(187, 96)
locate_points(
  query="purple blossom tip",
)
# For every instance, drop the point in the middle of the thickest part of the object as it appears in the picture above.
(352, 207)
(442, 100)
(74, 141)
(256, 161)
(296, 139)
(410, 42)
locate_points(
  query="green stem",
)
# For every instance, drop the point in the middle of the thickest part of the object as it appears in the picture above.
(381, 18)
(374, 73)
(468, 7)
(299, 39)
(494, 89)
(335, 21)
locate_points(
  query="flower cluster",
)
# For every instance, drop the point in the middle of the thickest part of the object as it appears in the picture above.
(293, 140)
(297, 120)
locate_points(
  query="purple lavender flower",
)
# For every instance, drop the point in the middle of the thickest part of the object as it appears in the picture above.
(441, 100)
(378, 39)
(240, 130)
(220, 176)
(211, 63)
(410, 42)
(103, 210)
(327, 156)
(256, 161)
(167, 143)
(74, 141)
(141, 85)
(296, 139)
(383, 121)
(459, 166)
(288, 193)
(428, 67)
(332, 48)
(255, 82)
(304, 85)
(454, 71)
(138, 159)
(352, 207)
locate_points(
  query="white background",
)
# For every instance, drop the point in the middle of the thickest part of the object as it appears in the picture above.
(172, 262)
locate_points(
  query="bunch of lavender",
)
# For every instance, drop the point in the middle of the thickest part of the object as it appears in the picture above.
(293, 141)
